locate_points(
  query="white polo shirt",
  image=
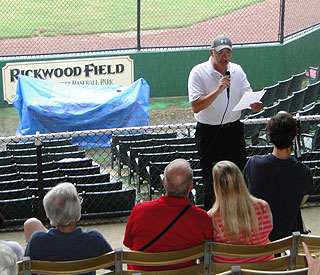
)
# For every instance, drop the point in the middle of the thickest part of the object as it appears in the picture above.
(203, 79)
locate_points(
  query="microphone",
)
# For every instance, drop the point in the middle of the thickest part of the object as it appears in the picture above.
(228, 89)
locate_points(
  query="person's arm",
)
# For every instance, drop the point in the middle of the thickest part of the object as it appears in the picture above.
(309, 189)
(268, 210)
(313, 264)
(304, 199)
(205, 101)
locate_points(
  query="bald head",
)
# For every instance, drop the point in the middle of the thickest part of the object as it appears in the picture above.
(178, 177)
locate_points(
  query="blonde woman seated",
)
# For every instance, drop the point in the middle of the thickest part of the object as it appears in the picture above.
(237, 216)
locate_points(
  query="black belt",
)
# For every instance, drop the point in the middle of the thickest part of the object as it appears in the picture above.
(229, 124)
(226, 125)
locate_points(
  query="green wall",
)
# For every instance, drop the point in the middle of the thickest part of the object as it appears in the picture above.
(167, 71)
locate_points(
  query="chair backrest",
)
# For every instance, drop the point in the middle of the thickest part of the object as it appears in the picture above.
(12, 184)
(45, 174)
(312, 155)
(312, 93)
(172, 257)
(18, 209)
(108, 203)
(283, 88)
(33, 167)
(297, 100)
(312, 241)
(74, 163)
(47, 182)
(270, 111)
(8, 169)
(293, 263)
(20, 145)
(237, 270)
(284, 104)
(6, 160)
(134, 151)
(96, 178)
(297, 81)
(26, 266)
(306, 125)
(61, 148)
(316, 110)
(23, 152)
(77, 171)
(62, 155)
(316, 139)
(252, 132)
(269, 96)
(117, 139)
(102, 186)
(56, 142)
(253, 251)
(4, 153)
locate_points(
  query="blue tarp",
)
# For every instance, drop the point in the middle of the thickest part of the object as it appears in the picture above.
(50, 107)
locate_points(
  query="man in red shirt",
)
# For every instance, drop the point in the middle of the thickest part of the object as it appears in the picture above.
(148, 219)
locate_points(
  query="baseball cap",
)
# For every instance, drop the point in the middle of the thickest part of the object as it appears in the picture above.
(221, 42)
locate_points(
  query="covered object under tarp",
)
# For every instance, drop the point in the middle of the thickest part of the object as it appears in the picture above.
(49, 107)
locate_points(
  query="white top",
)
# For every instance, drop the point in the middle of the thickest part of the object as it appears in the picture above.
(16, 247)
(203, 79)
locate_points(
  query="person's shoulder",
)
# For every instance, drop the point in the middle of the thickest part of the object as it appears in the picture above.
(196, 211)
(92, 233)
(257, 159)
(300, 167)
(235, 67)
(39, 236)
(301, 164)
(144, 204)
(201, 66)
(263, 203)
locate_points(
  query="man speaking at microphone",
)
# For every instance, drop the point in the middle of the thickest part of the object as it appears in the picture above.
(215, 87)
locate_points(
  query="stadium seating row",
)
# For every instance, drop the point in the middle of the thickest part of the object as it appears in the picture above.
(24, 179)
(294, 103)
(291, 261)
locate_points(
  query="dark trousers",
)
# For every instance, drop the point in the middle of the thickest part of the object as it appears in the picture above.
(216, 143)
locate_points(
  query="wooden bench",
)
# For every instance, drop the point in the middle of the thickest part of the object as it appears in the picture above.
(295, 263)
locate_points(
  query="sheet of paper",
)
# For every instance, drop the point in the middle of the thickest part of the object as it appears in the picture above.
(247, 99)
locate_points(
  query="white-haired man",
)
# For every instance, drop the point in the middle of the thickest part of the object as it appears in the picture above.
(66, 241)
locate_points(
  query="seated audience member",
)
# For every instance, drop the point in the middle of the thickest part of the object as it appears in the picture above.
(8, 260)
(67, 241)
(237, 217)
(149, 219)
(313, 264)
(16, 247)
(279, 178)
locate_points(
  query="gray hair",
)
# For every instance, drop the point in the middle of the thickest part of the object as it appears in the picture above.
(8, 260)
(62, 204)
(178, 177)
